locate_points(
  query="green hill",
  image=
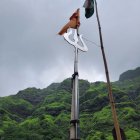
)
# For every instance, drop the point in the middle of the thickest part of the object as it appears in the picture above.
(44, 114)
(130, 74)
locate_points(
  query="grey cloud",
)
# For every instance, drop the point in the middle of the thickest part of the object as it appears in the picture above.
(33, 55)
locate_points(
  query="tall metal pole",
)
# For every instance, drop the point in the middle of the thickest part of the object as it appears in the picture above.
(112, 103)
(74, 129)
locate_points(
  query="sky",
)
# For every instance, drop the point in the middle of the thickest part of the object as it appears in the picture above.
(32, 54)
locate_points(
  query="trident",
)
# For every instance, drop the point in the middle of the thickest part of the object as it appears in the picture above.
(74, 128)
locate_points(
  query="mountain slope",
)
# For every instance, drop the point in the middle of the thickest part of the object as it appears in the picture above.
(130, 74)
(44, 114)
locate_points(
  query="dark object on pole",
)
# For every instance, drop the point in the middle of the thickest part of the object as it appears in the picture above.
(111, 99)
(122, 134)
(89, 8)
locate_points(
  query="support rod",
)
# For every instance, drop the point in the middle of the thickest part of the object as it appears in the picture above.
(112, 103)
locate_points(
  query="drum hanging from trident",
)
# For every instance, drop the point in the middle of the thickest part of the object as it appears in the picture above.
(74, 128)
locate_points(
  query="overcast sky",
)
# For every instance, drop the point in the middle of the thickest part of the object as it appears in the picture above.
(33, 55)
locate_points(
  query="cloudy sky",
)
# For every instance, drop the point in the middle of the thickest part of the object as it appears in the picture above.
(33, 55)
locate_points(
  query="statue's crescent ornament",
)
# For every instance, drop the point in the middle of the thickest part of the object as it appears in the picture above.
(75, 42)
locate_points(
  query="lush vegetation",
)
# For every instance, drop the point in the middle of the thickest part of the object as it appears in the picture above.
(44, 114)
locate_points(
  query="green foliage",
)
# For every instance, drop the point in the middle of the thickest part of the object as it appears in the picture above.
(133, 134)
(96, 136)
(32, 95)
(44, 114)
(19, 108)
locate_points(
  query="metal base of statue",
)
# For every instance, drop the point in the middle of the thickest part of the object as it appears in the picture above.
(74, 128)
